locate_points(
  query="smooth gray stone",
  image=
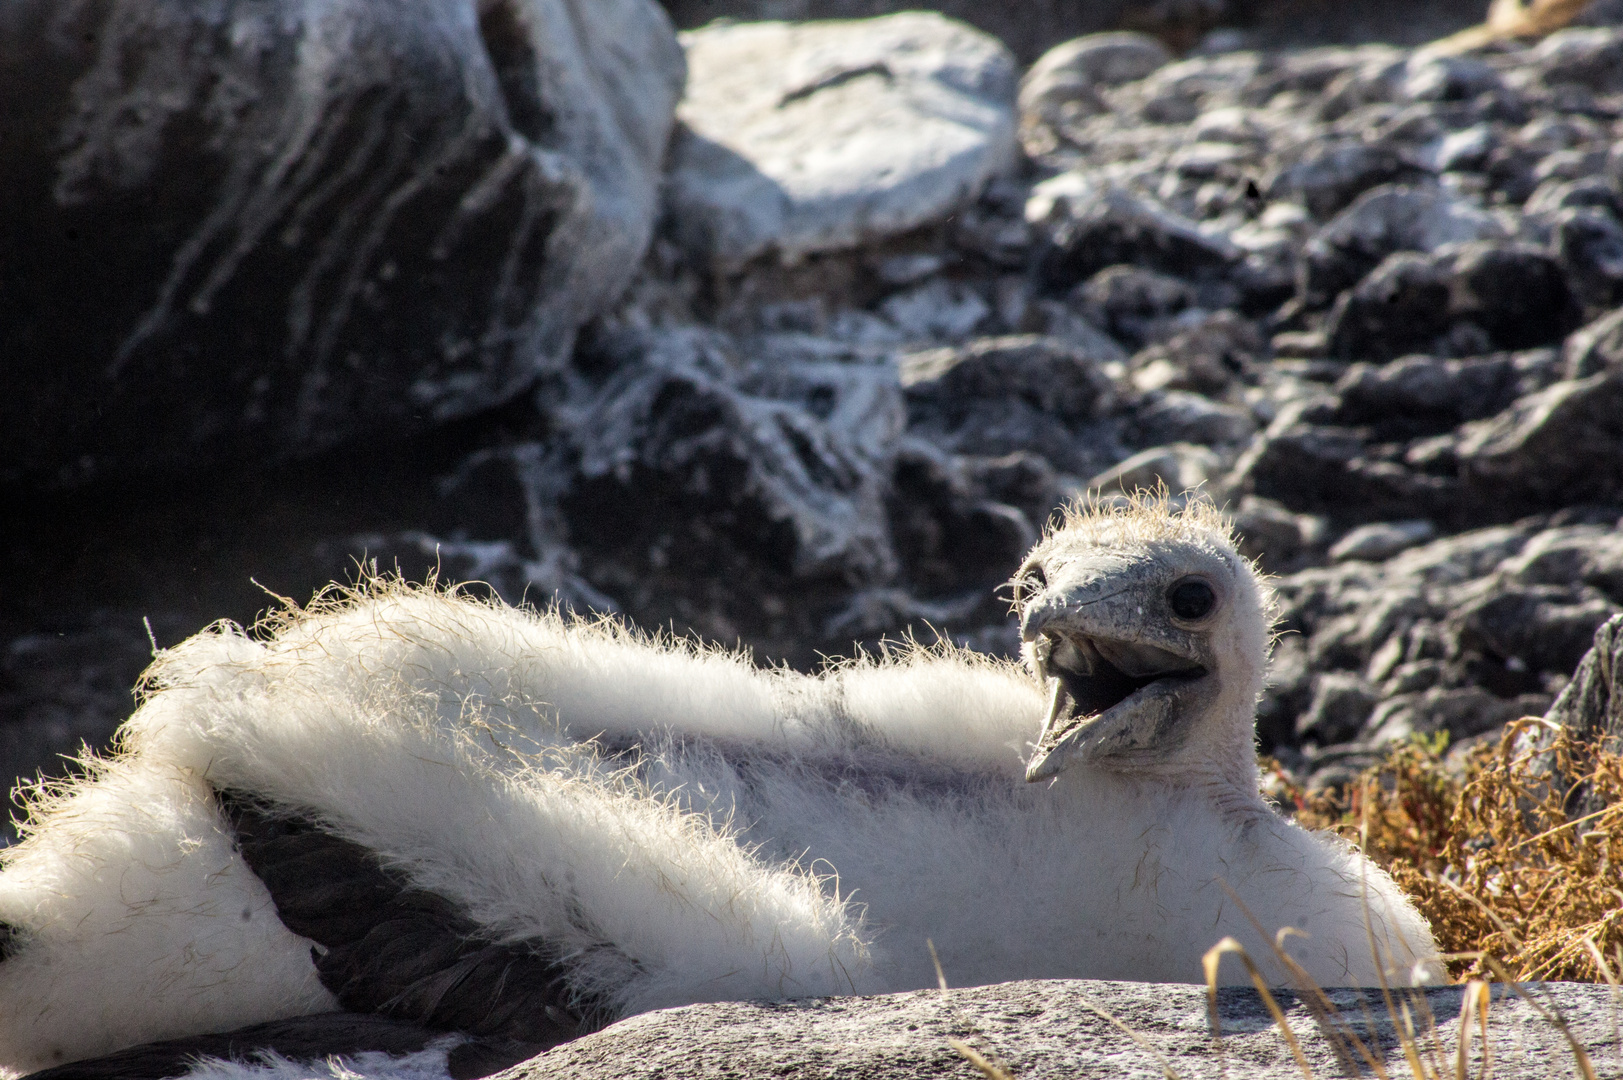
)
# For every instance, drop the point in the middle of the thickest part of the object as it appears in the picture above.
(1052, 1029)
(823, 136)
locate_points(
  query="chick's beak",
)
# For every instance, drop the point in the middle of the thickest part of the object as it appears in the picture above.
(1088, 644)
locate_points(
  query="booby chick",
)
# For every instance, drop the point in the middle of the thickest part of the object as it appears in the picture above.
(411, 821)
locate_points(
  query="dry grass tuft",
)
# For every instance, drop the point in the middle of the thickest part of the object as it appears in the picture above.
(1509, 19)
(1511, 884)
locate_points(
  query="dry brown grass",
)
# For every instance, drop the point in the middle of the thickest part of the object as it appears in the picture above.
(1490, 855)
(1509, 19)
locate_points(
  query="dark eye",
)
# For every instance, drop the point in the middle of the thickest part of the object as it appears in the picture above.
(1033, 580)
(1191, 599)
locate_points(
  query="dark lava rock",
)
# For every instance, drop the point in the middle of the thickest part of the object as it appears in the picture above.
(1519, 295)
(1590, 57)
(997, 396)
(1596, 191)
(1380, 540)
(1595, 348)
(279, 231)
(1326, 176)
(1421, 395)
(1380, 222)
(1048, 375)
(1462, 712)
(1089, 226)
(1341, 703)
(1325, 469)
(1448, 78)
(1570, 555)
(795, 455)
(1172, 416)
(1132, 303)
(1401, 307)
(1537, 627)
(1207, 358)
(950, 542)
(62, 689)
(1472, 299)
(1561, 445)
(1589, 242)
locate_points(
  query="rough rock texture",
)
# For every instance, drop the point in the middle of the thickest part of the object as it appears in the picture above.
(810, 445)
(1368, 301)
(250, 233)
(807, 138)
(1459, 634)
(1562, 443)
(1362, 298)
(1593, 702)
(1055, 1029)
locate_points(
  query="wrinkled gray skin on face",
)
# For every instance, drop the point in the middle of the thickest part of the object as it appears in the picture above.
(1137, 682)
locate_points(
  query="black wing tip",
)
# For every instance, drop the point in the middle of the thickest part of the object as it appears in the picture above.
(301, 1038)
(308, 1038)
(388, 947)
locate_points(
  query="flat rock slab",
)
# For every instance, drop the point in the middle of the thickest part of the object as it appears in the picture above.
(814, 137)
(1057, 1029)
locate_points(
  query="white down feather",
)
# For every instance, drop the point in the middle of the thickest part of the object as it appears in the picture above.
(452, 738)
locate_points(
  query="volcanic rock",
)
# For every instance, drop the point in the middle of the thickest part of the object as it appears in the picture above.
(281, 231)
(802, 138)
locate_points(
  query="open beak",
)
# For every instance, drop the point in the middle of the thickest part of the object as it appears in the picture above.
(1094, 681)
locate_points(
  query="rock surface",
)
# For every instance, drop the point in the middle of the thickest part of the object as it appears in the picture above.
(1360, 298)
(1367, 301)
(277, 232)
(1055, 1029)
(801, 138)
(1593, 702)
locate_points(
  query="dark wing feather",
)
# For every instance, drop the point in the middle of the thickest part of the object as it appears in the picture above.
(391, 948)
(301, 1038)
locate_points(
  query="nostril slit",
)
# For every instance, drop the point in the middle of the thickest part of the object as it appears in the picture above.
(1033, 580)
(506, 36)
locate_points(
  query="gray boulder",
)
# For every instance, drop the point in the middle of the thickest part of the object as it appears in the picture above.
(1063, 84)
(1457, 301)
(1592, 703)
(1595, 348)
(1325, 176)
(1382, 221)
(1562, 444)
(804, 138)
(1066, 1029)
(807, 446)
(1000, 395)
(1088, 224)
(251, 233)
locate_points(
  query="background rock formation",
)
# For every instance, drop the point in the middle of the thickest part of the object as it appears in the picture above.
(239, 232)
(1054, 1029)
(1365, 296)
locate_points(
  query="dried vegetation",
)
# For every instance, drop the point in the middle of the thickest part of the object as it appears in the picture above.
(1496, 850)
(1509, 19)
